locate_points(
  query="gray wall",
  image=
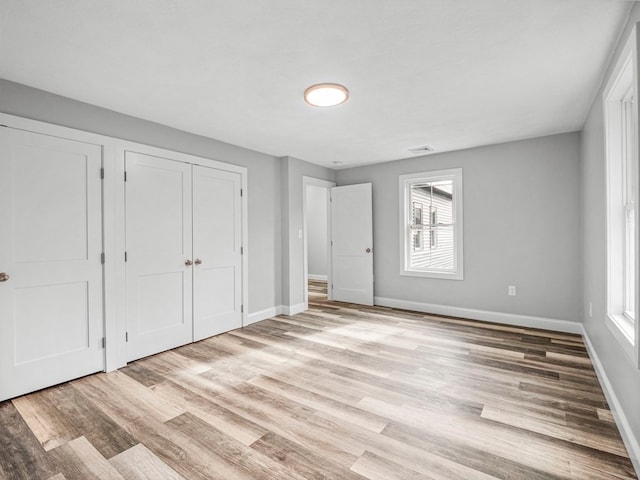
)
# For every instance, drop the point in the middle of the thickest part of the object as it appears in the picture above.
(293, 170)
(521, 227)
(624, 377)
(264, 246)
(317, 246)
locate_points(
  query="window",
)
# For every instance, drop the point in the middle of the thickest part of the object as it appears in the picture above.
(431, 224)
(621, 130)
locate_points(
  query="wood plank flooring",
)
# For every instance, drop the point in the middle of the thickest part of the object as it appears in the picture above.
(340, 392)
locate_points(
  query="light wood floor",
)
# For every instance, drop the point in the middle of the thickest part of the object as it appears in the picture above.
(340, 392)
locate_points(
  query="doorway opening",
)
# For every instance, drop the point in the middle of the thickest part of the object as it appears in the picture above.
(317, 239)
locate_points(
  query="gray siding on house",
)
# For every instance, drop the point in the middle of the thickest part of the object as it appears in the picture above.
(440, 254)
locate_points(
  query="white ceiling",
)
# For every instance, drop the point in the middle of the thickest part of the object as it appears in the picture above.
(447, 73)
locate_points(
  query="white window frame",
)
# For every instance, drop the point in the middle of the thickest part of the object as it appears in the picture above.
(406, 213)
(620, 98)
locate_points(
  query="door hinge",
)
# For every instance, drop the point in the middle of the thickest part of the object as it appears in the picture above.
(125, 176)
(240, 192)
(102, 258)
(125, 256)
(241, 250)
(126, 336)
(332, 243)
(101, 173)
(104, 342)
(241, 308)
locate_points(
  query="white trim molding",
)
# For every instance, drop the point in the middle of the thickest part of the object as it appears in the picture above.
(626, 432)
(292, 309)
(514, 319)
(262, 315)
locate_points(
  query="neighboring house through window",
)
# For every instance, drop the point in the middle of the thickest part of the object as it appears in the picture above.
(417, 233)
(431, 210)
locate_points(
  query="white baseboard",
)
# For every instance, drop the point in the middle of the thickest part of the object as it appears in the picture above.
(312, 276)
(486, 315)
(292, 309)
(261, 315)
(274, 311)
(628, 437)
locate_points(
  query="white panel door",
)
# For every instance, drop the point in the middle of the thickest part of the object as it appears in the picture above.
(158, 245)
(51, 316)
(217, 234)
(352, 244)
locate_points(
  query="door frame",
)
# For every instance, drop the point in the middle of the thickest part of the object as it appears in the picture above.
(306, 182)
(108, 207)
(121, 147)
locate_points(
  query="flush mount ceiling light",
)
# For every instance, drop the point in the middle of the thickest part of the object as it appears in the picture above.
(326, 95)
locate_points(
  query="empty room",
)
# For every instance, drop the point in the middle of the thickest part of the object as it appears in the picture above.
(361, 240)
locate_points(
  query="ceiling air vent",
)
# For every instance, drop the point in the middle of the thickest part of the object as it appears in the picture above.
(419, 150)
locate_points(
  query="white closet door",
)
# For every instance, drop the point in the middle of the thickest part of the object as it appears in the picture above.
(158, 244)
(217, 233)
(51, 320)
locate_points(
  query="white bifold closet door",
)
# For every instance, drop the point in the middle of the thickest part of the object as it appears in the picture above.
(51, 300)
(217, 239)
(158, 243)
(183, 238)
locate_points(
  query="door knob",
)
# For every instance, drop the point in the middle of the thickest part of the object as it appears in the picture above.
(198, 261)
(368, 250)
(188, 262)
(4, 277)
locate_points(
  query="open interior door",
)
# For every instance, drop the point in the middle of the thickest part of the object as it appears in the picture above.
(352, 244)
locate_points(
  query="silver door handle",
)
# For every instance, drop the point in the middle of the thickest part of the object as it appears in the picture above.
(198, 261)
(368, 250)
(4, 277)
(188, 262)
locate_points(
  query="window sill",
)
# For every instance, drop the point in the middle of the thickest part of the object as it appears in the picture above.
(432, 274)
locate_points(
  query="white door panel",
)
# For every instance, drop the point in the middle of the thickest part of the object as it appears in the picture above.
(352, 244)
(217, 235)
(51, 316)
(158, 243)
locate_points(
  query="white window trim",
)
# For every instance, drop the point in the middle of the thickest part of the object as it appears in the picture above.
(405, 236)
(622, 328)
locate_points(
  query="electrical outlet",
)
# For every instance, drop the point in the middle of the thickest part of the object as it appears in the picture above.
(511, 290)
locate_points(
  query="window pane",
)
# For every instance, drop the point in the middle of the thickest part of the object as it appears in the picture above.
(435, 234)
(629, 267)
(417, 240)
